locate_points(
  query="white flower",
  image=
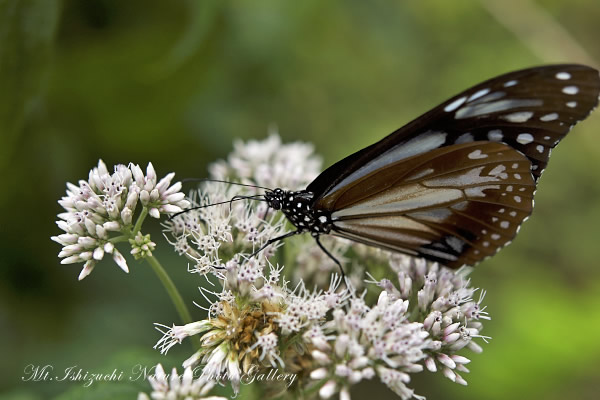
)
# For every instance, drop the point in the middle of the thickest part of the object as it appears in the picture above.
(102, 208)
(270, 163)
(452, 317)
(176, 387)
(365, 341)
(215, 238)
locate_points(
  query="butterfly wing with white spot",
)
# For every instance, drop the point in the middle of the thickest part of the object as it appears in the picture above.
(530, 110)
(456, 204)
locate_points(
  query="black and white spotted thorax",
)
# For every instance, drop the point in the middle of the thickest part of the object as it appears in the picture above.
(298, 208)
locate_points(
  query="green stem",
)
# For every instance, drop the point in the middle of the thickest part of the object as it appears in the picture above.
(140, 220)
(176, 298)
(119, 239)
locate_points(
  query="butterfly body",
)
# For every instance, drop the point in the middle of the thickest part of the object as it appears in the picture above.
(455, 184)
(299, 210)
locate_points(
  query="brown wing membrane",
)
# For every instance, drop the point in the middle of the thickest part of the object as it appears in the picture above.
(456, 204)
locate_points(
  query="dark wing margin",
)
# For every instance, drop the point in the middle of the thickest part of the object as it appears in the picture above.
(530, 110)
(455, 205)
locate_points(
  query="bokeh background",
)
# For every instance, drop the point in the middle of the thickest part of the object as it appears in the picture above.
(175, 82)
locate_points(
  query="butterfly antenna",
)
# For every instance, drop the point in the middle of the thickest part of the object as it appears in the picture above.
(221, 181)
(235, 198)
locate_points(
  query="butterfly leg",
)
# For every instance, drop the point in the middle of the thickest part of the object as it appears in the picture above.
(271, 241)
(332, 257)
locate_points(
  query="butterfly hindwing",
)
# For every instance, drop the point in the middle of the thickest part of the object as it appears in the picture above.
(530, 110)
(456, 204)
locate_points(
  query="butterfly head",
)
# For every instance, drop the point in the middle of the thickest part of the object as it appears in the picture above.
(275, 198)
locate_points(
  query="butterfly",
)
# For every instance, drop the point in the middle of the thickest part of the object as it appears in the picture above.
(454, 185)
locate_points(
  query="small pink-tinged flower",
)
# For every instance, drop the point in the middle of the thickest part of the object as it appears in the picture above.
(101, 209)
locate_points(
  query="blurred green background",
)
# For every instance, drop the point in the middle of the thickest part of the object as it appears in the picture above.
(175, 82)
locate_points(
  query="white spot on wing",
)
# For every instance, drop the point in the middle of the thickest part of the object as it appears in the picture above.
(472, 177)
(518, 117)
(464, 138)
(475, 155)
(570, 90)
(495, 135)
(474, 110)
(563, 76)
(455, 104)
(504, 224)
(525, 138)
(455, 243)
(436, 253)
(478, 94)
(517, 199)
(498, 171)
(540, 148)
(511, 83)
(572, 104)
(549, 117)
(477, 191)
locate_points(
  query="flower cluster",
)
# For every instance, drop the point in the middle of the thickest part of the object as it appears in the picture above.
(422, 323)
(269, 163)
(99, 213)
(211, 236)
(332, 338)
(256, 322)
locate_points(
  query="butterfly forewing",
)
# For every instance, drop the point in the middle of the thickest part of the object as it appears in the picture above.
(456, 204)
(530, 110)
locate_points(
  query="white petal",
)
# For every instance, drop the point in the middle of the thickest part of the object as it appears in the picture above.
(164, 182)
(87, 269)
(98, 253)
(176, 187)
(102, 170)
(109, 247)
(154, 195)
(120, 260)
(327, 390)
(318, 373)
(150, 173)
(170, 209)
(71, 260)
